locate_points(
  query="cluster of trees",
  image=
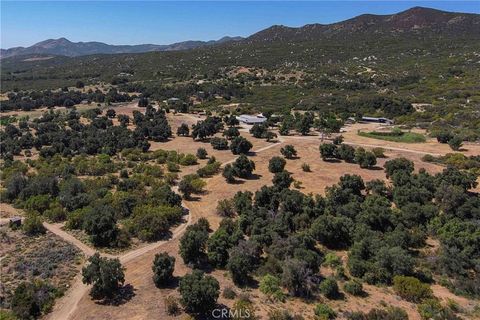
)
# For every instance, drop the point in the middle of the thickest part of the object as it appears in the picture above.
(152, 125)
(29, 100)
(278, 229)
(205, 91)
(342, 151)
(56, 133)
(206, 128)
(142, 200)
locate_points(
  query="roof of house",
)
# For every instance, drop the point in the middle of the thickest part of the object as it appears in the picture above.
(251, 119)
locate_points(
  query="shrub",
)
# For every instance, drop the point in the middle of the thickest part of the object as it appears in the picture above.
(171, 305)
(243, 310)
(282, 314)
(240, 145)
(199, 292)
(379, 152)
(229, 173)
(276, 164)
(229, 293)
(209, 170)
(163, 266)
(432, 309)
(329, 288)
(188, 160)
(324, 312)
(201, 153)
(411, 289)
(270, 286)
(193, 244)
(172, 166)
(243, 167)
(32, 225)
(288, 151)
(31, 299)
(353, 287)
(332, 260)
(328, 151)
(455, 143)
(306, 167)
(219, 143)
(225, 208)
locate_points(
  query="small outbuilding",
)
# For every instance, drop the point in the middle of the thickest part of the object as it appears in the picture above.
(249, 119)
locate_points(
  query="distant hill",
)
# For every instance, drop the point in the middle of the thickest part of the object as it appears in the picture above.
(65, 47)
(418, 40)
(417, 20)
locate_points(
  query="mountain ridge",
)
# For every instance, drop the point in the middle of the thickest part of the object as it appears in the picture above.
(64, 47)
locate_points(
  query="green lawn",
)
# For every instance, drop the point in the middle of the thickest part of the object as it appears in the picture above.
(407, 137)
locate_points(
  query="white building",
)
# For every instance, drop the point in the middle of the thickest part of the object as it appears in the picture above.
(248, 119)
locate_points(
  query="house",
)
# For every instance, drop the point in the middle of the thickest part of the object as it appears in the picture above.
(377, 120)
(248, 119)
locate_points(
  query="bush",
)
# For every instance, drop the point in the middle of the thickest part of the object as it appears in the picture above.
(188, 160)
(172, 166)
(324, 312)
(31, 299)
(353, 287)
(243, 167)
(229, 293)
(283, 315)
(209, 170)
(276, 164)
(329, 288)
(201, 153)
(379, 152)
(199, 292)
(455, 143)
(240, 145)
(288, 151)
(171, 305)
(332, 260)
(243, 310)
(32, 225)
(270, 286)
(411, 289)
(225, 208)
(306, 167)
(229, 173)
(219, 143)
(432, 309)
(163, 266)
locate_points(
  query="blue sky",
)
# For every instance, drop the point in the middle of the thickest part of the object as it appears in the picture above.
(160, 22)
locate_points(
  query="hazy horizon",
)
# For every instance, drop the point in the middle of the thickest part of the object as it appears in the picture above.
(130, 23)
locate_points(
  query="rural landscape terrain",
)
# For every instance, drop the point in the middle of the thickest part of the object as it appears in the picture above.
(329, 171)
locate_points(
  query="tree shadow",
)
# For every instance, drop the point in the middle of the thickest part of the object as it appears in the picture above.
(254, 176)
(332, 160)
(124, 294)
(375, 168)
(172, 284)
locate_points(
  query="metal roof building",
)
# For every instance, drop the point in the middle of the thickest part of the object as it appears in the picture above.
(248, 119)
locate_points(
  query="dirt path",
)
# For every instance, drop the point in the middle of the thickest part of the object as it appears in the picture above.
(66, 306)
(57, 229)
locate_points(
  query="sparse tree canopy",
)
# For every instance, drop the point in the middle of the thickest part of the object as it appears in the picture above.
(288, 151)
